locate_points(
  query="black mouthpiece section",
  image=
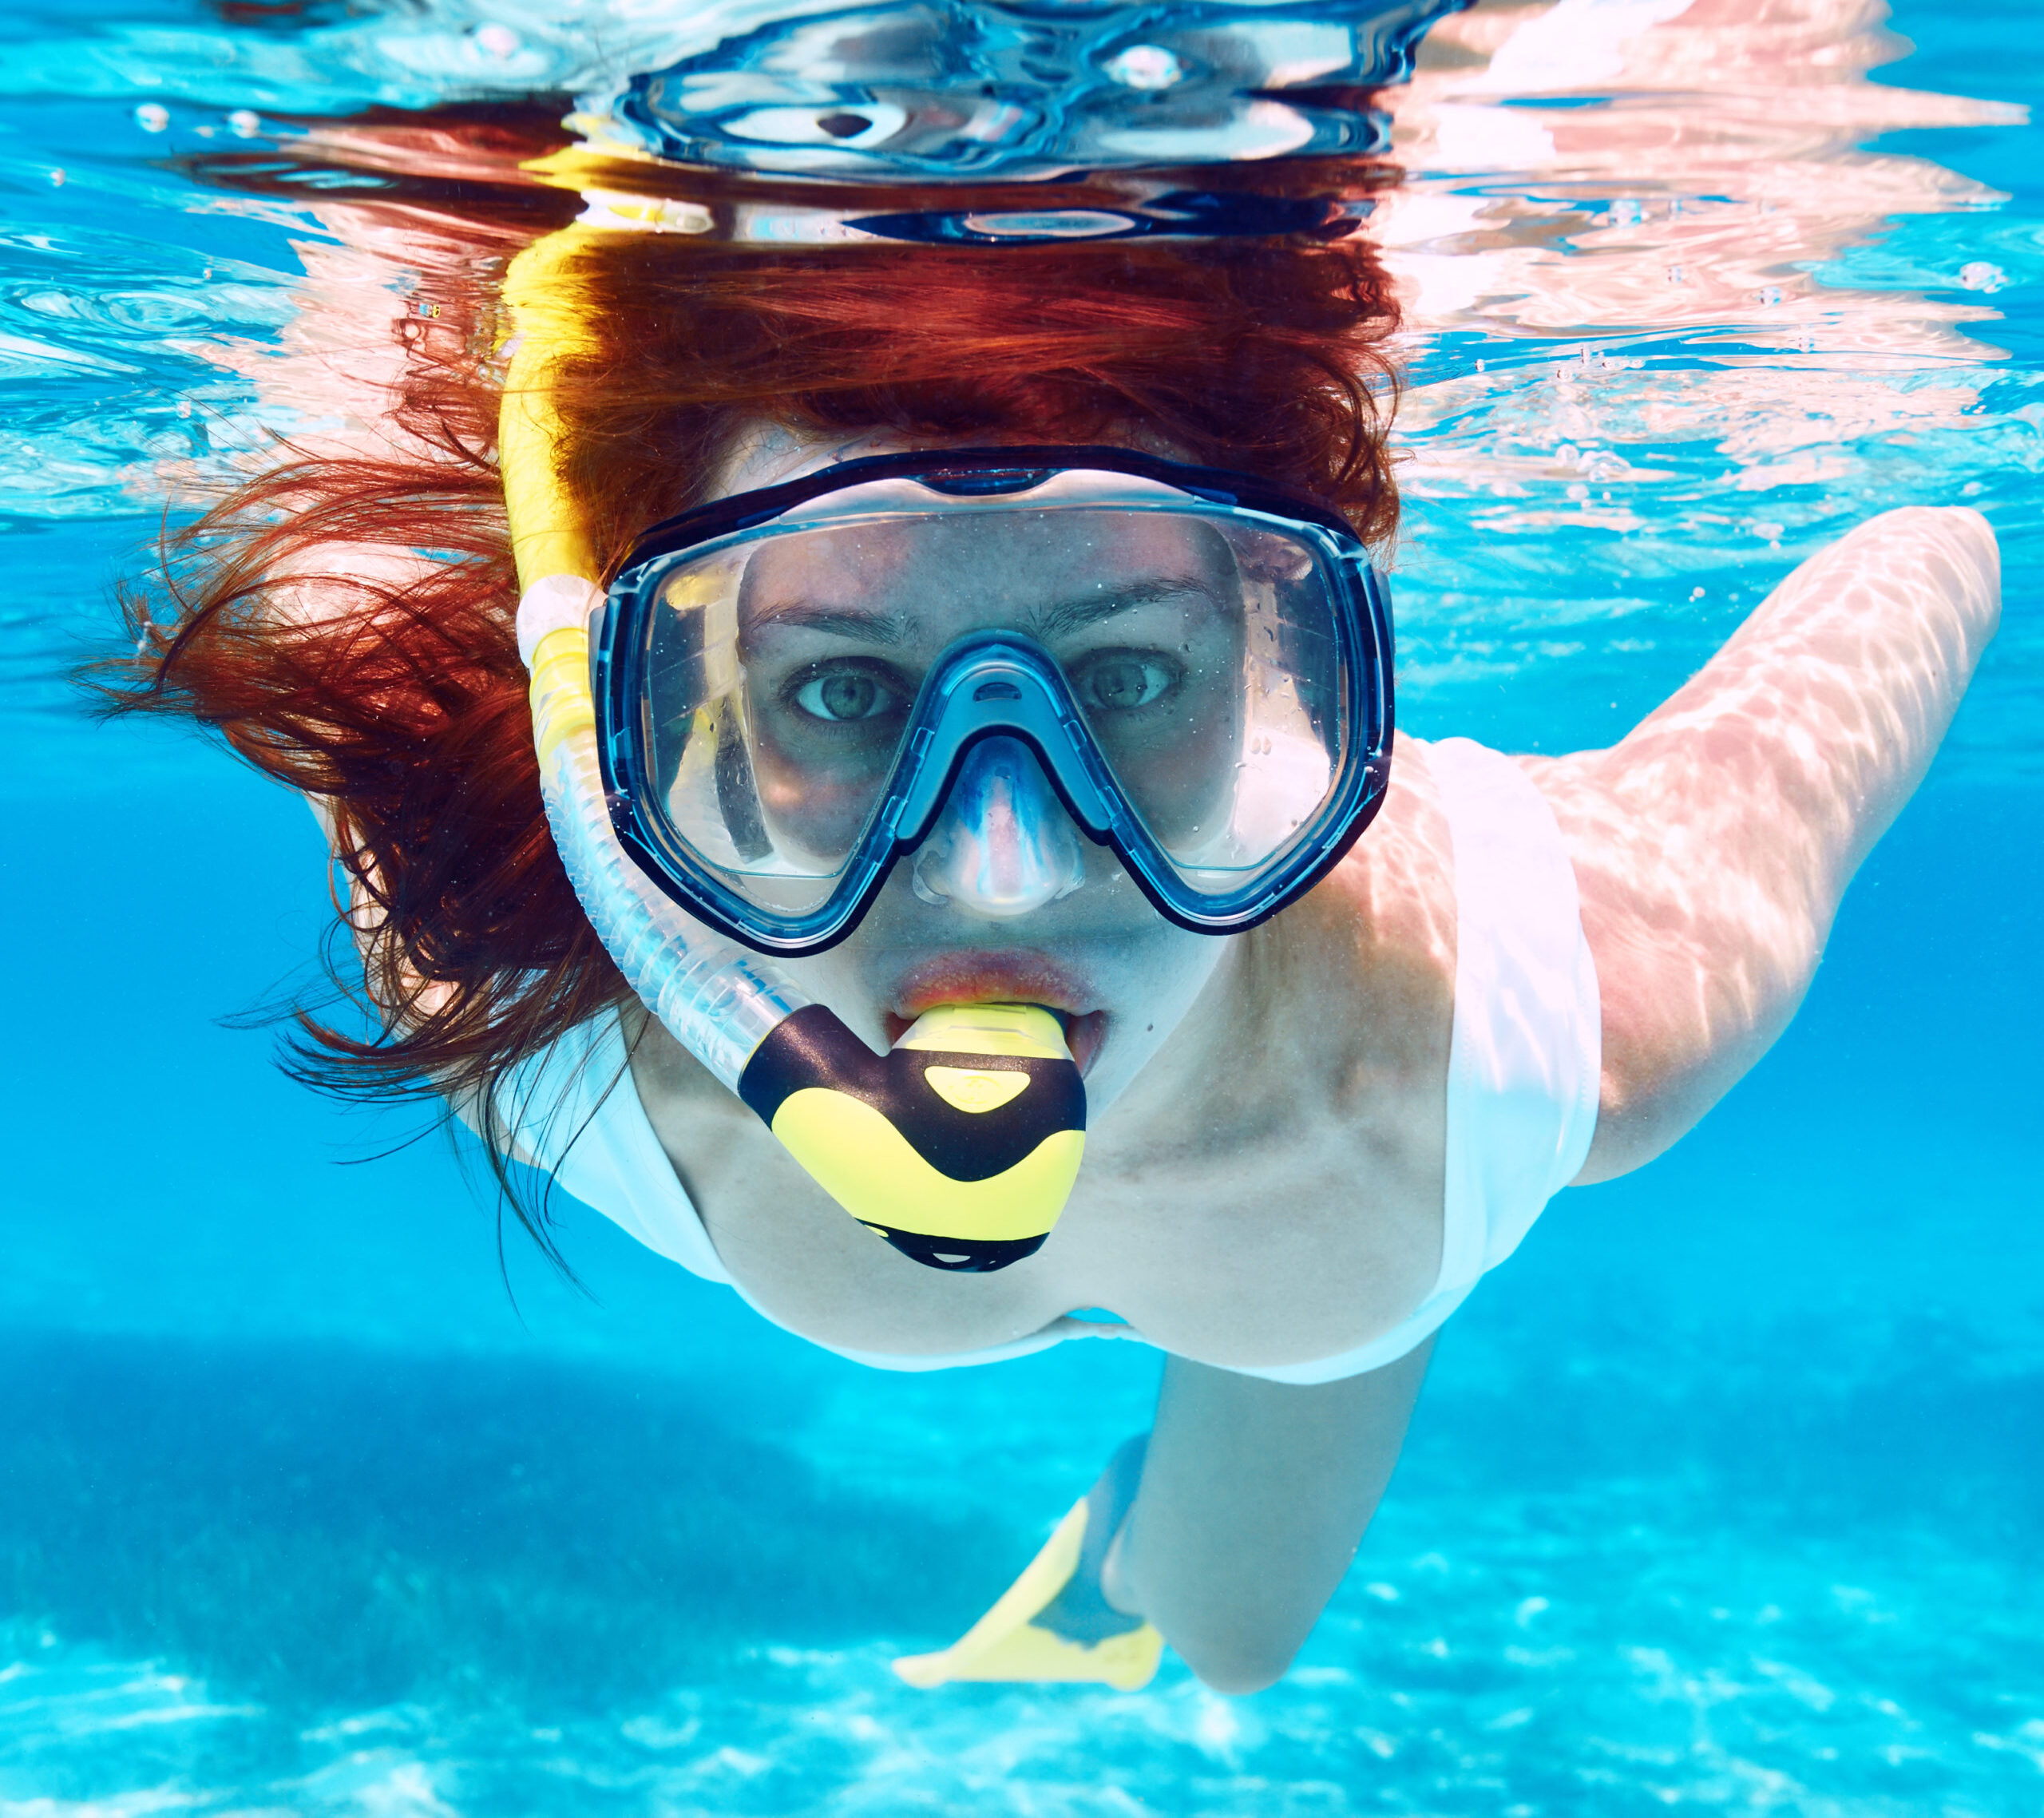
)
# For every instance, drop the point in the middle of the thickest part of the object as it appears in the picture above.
(960, 1256)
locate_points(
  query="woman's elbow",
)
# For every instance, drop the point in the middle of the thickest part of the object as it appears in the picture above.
(1961, 558)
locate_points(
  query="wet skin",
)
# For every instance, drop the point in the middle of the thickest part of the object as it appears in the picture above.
(1264, 1171)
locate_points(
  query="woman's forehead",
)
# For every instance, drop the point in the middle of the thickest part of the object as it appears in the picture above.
(1030, 568)
(765, 454)
(762, 452)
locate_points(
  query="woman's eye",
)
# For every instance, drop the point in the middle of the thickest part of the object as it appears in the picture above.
(1123, 679)
(845, 694)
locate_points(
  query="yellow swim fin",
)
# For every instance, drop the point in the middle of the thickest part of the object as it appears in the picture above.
(1053, 1624)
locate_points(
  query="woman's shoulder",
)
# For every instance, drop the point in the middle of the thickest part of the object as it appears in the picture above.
(1361, 970)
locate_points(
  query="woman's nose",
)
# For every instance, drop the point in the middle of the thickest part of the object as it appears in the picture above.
(1004, 844)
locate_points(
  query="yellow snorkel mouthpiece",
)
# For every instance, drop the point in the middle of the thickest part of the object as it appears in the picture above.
(961, 1145)
(960, 1148)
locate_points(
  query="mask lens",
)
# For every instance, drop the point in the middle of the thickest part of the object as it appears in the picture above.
(1214, 692)
(770, 734)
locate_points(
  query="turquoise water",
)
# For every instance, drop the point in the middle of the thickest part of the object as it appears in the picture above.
(1726, 1493)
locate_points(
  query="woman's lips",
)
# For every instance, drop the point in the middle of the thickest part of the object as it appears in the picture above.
(1001, 978)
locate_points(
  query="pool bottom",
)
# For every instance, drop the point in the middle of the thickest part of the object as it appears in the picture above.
(320, 1579)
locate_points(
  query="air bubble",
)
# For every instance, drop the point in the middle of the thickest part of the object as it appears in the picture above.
(1145, 66)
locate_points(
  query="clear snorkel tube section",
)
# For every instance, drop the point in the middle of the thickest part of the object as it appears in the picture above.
(961, 1147)
(720, 1001)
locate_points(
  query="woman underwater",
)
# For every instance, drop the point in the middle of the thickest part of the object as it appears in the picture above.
(972, 657)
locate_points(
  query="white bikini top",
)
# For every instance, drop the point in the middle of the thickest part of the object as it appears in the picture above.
(1524, 1068)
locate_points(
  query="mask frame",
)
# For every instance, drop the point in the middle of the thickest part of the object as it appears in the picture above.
(989, 682)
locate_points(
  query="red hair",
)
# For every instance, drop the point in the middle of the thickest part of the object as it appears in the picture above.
(400, 702)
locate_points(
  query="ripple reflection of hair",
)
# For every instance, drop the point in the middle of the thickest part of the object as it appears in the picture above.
(399, 700)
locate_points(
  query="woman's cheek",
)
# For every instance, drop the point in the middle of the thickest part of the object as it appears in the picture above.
(813, 805)
(1181, 775)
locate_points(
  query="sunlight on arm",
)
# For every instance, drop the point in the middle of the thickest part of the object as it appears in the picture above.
(1713, 843)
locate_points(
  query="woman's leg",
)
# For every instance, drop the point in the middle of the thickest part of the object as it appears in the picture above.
(1254, 1497)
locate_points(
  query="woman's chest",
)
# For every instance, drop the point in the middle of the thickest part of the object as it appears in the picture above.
(1260, 1235)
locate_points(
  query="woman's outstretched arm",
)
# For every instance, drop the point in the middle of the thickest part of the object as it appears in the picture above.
(1254, 1497)
(1712, 844)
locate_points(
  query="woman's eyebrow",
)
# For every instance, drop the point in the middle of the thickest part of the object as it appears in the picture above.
(1089, 609)
(889, 628)
(893, 629)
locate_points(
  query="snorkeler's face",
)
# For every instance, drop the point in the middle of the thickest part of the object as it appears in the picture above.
(835, 633)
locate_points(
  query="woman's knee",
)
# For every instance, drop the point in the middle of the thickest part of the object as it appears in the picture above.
(1239, 1659)
(1237, 1647)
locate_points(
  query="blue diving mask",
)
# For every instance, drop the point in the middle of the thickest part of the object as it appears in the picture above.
(977, 657)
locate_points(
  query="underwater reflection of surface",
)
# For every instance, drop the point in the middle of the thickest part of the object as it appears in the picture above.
(954, 90)
(1715, 323)
(1680, 312)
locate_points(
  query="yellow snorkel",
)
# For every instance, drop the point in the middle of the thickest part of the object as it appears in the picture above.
(960, 1147)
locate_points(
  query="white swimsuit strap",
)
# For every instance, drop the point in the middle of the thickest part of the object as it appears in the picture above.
(574, 1114)
(1525, 1058)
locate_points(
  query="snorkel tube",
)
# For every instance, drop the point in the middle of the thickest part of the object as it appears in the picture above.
(961, 1145)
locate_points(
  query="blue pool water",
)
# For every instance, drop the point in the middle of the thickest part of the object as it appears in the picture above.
(1726, 1493)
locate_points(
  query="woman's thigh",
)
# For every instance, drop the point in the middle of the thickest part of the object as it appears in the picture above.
(1254, 1497)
